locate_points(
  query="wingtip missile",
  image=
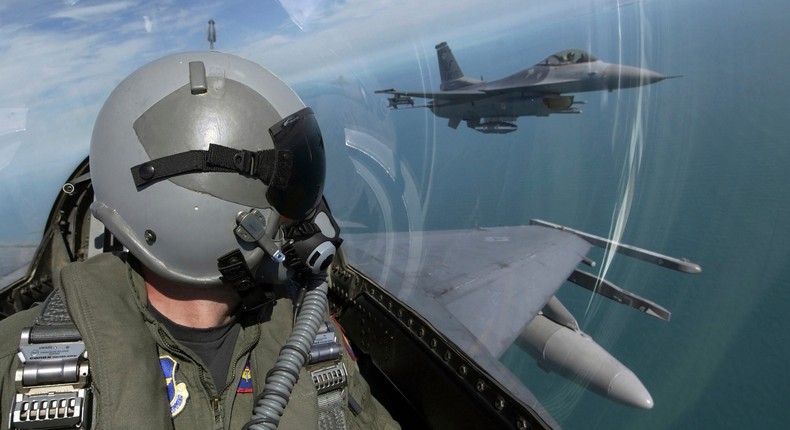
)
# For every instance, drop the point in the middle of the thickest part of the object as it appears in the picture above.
(679, 264)
(398, 100)
(619, 295)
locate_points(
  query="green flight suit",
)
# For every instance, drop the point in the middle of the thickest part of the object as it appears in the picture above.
(131, 353)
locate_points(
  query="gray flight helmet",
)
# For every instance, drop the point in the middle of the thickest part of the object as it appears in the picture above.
(179, 224)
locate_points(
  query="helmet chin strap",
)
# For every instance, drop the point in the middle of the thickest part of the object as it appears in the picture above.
(235, 272)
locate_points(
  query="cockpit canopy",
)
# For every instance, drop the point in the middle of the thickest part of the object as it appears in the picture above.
(569, 56)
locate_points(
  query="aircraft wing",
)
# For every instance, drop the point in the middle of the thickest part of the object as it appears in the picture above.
(459, 95)
(479, 287)
(545, 86)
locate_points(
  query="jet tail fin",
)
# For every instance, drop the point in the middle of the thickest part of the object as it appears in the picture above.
(449, 70)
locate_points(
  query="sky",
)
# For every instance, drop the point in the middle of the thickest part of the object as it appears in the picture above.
(62, 59)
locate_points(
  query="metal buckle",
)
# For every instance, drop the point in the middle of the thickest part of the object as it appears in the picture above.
(330, 378)
(52, 385)
(50, 411)
(325, 365)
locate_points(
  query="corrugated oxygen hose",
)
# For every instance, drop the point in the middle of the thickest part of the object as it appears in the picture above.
(282, 378)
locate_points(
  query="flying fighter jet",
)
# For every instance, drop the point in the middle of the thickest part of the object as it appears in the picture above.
(493, 107)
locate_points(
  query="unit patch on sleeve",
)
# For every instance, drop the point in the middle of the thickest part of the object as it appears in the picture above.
(176, 392)
(245, 382)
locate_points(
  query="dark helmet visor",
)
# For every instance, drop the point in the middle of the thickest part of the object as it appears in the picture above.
(299, 134)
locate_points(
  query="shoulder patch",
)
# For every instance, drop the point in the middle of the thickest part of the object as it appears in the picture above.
(245, 382)
(176, 392)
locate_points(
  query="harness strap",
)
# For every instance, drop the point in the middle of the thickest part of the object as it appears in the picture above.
(330, 411)
(53, 323)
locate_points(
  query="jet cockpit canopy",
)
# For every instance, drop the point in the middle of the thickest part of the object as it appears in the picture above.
(569, 56)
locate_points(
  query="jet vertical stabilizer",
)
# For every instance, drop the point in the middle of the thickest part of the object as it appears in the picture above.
(452, 76)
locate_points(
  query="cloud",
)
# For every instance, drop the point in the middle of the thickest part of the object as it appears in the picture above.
(92, 13)
(12, 120)
(59, 71)
(387, 31)
(304, 12)
(7, 152)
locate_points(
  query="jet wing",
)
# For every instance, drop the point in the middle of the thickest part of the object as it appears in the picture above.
(479, 287)
(546, 86)
(459, 95)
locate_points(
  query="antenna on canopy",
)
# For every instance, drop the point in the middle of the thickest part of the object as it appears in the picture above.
(212, 34)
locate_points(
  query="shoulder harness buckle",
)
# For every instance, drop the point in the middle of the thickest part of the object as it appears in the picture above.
(53, 380)
(330, 377)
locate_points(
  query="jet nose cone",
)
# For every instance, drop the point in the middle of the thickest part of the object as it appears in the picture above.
(626, 388)
(619, 76)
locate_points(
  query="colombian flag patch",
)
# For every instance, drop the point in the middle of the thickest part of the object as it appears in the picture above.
(245, 382)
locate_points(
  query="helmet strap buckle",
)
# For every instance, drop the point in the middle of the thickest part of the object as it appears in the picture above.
(235, 272)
